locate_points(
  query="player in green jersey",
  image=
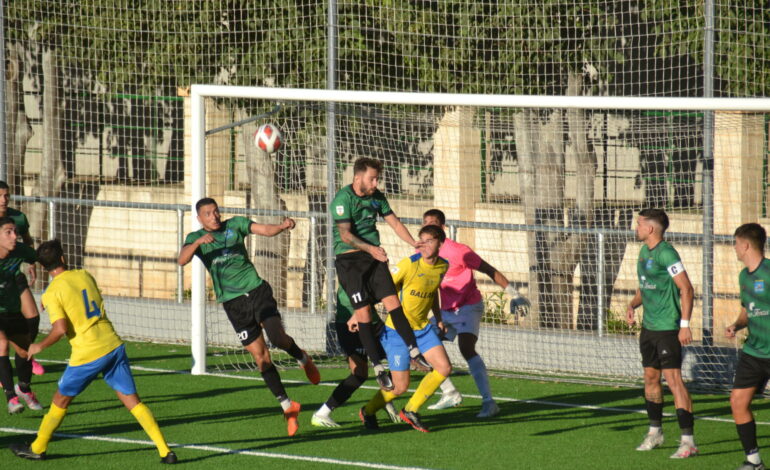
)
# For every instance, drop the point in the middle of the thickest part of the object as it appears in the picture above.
(666, 294)
(28, 306)
(348, 339)
(247, 298)
(13, 326)
(753, 369)
(362, 264)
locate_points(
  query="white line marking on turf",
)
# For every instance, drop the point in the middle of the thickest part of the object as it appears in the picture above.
(221, 450)
(505, 399)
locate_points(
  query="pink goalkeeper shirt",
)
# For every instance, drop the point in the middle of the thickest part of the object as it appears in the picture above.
(459, 287)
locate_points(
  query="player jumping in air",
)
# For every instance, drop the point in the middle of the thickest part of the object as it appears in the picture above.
(14, 328)
(666, 294)
(74, 304)
(417, 279)
(753, 369)
(247, 298)
(362, 264)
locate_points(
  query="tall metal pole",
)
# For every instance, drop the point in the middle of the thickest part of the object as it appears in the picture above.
(331, 169)
(708, 177)
(3, 153)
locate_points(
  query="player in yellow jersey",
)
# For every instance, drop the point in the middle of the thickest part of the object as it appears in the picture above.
(417, 279)
(75, 307)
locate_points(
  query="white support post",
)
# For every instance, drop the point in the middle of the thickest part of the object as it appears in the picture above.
(198, 189)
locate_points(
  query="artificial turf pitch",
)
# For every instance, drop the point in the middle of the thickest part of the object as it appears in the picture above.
(224, 422)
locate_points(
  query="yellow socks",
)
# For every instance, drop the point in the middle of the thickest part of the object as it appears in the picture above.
(48, 426)
(378, 401)
(430, 383)
(150, 426)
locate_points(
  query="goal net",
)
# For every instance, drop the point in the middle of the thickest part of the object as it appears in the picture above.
(545, 189)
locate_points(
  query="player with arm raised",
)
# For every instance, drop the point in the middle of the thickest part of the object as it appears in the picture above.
(753, 369)
(666, 294)
(462, 309)
(28, 306)
(347, 335)
(362, 264)
(247, 298)
(74, 304)
(417, 279)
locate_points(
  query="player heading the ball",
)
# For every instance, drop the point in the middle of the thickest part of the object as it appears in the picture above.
(362, 264)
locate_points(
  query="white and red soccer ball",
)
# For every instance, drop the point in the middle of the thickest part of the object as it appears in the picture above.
(268, 138)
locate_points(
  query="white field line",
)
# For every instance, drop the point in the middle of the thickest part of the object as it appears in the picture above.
(219, 450)
(502, 399)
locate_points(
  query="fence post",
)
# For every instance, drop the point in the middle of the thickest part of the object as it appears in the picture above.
(180, 242)
(600, 285)
(313, 267)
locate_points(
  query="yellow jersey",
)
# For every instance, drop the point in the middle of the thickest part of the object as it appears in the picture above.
(74, 296)
(417, 283)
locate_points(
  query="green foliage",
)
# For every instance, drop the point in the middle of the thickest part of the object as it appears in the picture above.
(434, 46)
(741, 40)
(494, 308)
(616, 324)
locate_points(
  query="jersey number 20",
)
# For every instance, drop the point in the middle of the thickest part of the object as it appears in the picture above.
(92, 310)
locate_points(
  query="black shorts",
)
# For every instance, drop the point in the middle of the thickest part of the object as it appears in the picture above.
(752, 372)
(363, 278)
(13, 324)
(21, 282)
(351, 343)
(660, 349)
(247, 312)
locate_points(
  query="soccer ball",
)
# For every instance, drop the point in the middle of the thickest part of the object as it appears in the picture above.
(268, 138)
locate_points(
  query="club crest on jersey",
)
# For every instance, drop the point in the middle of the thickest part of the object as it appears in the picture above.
(759, 286)
(649, 263)
(228, 233)
(375, 204)
(340, 210)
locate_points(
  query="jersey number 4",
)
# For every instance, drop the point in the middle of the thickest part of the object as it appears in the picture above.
(92, 310)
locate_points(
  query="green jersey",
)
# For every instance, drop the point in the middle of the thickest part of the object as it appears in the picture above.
(755, 298)
(9, 269)
(345, 309)
(22, 224)
(660, 295)
(361, 213)
(227, 260)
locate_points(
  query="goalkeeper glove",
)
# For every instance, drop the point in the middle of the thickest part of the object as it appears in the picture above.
(519, 304)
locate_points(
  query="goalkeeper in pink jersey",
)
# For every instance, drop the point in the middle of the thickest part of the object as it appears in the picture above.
(462, 308)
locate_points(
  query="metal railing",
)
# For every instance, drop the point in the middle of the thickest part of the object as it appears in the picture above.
(313, 217)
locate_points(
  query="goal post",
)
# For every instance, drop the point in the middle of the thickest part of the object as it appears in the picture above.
(545, 188)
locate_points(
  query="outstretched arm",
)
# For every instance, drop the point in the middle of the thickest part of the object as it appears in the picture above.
(498, 277)
(271, 230)
(400, 229)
